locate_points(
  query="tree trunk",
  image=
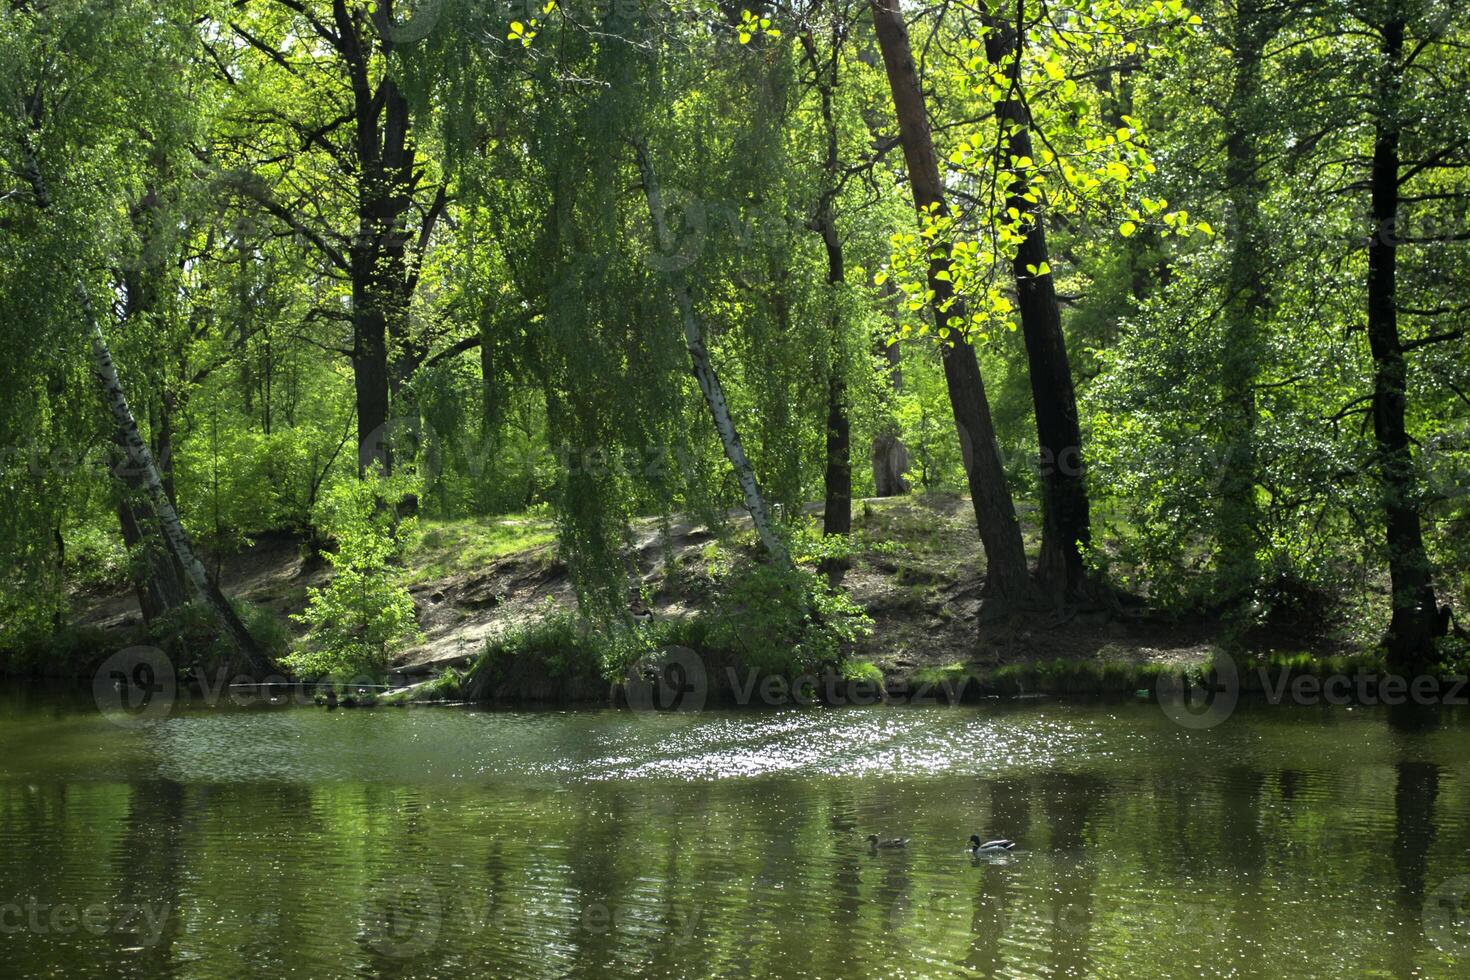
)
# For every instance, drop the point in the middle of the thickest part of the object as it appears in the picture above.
(380, 273)
(1066, 528)
(837, 481)
(890, 455)
(377, 256)
(709, 381)
(837, 508)
(138, 457)
(162, 587)
(1237, 516)
(141, 462)
(1006, 574)
(1414, 624)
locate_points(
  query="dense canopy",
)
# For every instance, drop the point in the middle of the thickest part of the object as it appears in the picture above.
(1172, 295)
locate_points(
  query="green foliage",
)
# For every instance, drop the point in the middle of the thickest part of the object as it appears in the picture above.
(784, 620)
(207, 192)
(190, 635)
(365, 614)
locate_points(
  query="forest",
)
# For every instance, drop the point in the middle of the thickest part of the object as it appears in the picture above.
(1129, 314)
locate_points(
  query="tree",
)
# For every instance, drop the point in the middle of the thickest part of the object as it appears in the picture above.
(1066, 530)
(338, 121)
(1416, 619)
(995, 513)
(43, 97)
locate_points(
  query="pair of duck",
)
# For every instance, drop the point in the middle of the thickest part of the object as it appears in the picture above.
(977, 846)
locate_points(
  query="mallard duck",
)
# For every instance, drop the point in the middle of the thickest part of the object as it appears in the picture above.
(875, 842)
(990, 846)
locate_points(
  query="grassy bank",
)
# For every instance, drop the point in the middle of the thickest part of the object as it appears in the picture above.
(897, 606)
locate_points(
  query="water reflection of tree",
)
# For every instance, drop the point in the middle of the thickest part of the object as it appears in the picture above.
(990, 917)
(1071, 800)
(148, 866)
(1416, 791)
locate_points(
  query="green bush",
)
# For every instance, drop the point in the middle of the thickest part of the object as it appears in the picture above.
(191, 635)
(785, 620)
(365, 613)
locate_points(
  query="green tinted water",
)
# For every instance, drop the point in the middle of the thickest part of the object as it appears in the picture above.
(232, 842)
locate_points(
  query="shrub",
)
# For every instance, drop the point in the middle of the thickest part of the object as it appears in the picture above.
(785, 620)
(365, 613)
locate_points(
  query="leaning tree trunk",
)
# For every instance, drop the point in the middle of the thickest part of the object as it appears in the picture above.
(1066, 529)
(709, 381)
(141, 462)
(162, 587)
(995, 513)
(1414, 624)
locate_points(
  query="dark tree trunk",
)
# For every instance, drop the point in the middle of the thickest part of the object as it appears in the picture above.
(1007, 578)
(1066, 520)
(159, 588)
(379, 271)
(1238, 516)
(837, 481)
(378, 254)
(837, 512)
(1414, 624)
(370, 380)
(890, 455)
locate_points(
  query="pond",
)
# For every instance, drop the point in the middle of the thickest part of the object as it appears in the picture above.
(449, 842)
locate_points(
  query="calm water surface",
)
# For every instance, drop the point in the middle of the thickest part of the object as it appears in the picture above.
(444, 842)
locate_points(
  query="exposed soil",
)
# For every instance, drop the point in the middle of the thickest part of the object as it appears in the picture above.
(917, 569)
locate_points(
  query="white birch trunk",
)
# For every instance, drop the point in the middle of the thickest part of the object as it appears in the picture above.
(709, 381)
(141, 459)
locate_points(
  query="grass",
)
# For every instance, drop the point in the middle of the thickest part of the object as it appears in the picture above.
(439, 549)
(861, 671)
(446, 686)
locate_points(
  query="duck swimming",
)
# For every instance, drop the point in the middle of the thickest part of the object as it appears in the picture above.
(990, 846)
(875, 842)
